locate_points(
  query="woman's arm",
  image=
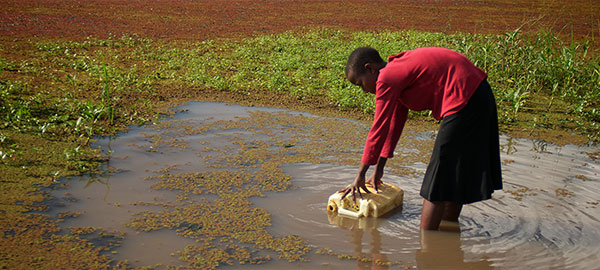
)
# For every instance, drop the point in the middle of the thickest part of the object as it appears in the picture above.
(375, 179)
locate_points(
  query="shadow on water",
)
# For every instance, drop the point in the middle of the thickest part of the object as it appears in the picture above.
(546, 216)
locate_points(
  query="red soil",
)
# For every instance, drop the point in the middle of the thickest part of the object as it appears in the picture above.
(203, 19)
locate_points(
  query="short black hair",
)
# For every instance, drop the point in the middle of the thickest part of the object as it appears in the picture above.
(359, 57)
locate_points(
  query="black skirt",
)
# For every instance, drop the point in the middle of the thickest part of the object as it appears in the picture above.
(465, 162)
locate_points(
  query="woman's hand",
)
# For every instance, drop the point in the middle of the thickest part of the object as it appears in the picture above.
(375, 180)
(359, 182)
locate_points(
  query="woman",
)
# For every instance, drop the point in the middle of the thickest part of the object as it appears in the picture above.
(465, 163)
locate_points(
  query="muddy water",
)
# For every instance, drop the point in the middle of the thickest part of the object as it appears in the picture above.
(546, 217)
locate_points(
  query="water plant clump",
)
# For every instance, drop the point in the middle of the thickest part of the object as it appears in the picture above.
(34, 239)
(362, 259)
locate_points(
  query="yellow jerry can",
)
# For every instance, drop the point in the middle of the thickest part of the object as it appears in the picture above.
(351, 223)
(371, 205)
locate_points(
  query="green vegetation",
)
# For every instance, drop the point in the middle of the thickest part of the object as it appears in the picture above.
(531, 76)
(57, 95)
(80, 92)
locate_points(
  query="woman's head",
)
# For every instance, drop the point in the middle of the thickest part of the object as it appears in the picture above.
(363, 68)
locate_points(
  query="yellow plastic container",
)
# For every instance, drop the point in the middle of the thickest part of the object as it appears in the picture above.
(351, 223)
(371, 205)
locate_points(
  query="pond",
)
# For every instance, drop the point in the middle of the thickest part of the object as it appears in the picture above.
(227, 186)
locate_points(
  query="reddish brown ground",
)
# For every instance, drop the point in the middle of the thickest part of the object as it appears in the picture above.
(194, 19)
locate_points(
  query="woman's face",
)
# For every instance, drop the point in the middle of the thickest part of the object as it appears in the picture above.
(367, 81)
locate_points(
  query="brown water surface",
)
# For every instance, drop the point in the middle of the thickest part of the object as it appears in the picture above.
(546, 217)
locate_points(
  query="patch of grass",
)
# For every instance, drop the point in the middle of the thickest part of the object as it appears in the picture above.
(118, 80)
(311, 63)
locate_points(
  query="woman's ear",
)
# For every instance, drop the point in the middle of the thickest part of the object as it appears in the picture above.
(372, 68)
(369, 67)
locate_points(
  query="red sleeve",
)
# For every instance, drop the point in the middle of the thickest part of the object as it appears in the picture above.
(390, 116)
(398, 120)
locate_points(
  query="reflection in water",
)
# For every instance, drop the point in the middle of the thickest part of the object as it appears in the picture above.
(509, 147)
(95, 179)
(103, 179)
(373, 258)
(539, 146)
(374, 252)
(438, 249)
(443, 250)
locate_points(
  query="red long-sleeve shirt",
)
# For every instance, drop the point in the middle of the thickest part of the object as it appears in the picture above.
(435, 79)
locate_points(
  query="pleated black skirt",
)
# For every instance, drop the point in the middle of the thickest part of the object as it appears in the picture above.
(465, 162)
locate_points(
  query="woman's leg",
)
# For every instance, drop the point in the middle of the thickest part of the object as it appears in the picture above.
(451, 211)
(431, 215)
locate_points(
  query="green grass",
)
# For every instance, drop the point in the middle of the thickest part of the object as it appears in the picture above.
(540, 68)
(84, 83)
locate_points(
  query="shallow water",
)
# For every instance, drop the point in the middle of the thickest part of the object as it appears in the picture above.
(545, 217)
